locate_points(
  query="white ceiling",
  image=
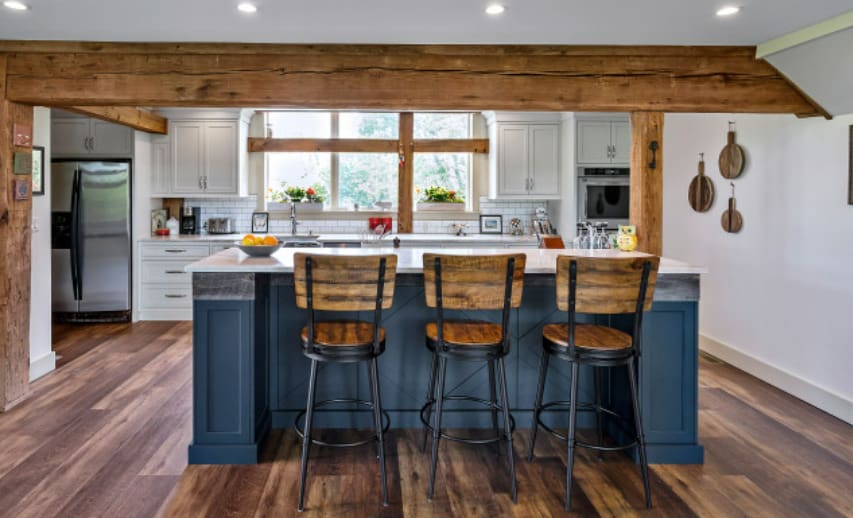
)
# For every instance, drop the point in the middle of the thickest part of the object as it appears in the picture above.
(672, 22)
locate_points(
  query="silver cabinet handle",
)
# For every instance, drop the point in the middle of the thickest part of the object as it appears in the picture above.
(175, 271)
(532, 182)
(175, 251)
(173, 296)
(205, 182)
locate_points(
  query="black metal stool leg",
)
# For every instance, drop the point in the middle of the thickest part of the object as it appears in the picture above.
(436, 431)
(537, 404)
(493, 397)
(641, 436)
(306, 439)
(599, 417)
(377, 417)
(430, 396)
(570, 437)
(507, 429)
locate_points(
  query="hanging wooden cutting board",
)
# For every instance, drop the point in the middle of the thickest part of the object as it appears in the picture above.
(732, 220)
(731, 157)
(700, 195)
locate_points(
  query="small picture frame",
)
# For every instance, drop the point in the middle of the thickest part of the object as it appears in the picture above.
(260, 222)
(158, 219)
(22, 162)
(22, 135)
(491, 224)
(38, 171)
(22, 189)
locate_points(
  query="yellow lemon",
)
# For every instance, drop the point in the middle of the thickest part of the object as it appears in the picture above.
(259, 240)
(248, 240)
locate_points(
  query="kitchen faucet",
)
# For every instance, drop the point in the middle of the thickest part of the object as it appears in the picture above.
(293, 221)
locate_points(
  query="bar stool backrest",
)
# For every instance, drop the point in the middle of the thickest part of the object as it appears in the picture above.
(605, 285)
(344, 283)
(473, 282)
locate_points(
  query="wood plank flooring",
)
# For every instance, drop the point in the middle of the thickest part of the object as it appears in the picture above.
(106, 435)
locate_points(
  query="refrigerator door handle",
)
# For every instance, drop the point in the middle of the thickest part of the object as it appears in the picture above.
(74, 232)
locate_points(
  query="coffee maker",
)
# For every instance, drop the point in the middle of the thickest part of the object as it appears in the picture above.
(190, 220)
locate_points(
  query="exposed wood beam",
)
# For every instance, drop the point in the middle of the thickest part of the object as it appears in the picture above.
(350, 145)
(135, 118)
(405, 178)
(15, 239)
(646, 209)
(819, 30)
(332, 145)
(479, 145)
(402, 77)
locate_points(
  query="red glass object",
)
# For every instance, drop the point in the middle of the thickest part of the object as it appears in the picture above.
(372, 223)
(387, 223)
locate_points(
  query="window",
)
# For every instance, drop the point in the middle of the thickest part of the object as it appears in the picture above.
(364, 172)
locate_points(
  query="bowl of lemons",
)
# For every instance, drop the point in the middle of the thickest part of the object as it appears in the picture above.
(258, 246)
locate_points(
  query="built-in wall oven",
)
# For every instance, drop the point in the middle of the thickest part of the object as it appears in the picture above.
(603, 195)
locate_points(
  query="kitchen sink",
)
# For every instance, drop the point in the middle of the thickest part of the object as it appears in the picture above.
(300, 240)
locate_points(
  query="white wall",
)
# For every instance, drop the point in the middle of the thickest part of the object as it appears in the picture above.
(142, 206)
(42, 358)
(778, 297)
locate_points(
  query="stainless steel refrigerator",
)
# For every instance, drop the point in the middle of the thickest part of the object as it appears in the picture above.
(90, 238)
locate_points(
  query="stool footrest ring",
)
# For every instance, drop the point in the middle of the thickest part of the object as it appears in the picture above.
(299, 429)
(582, 407)
(427, 409)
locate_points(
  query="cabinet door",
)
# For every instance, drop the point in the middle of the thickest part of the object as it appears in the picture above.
(187, 156)
(68, 137)
(220, 157)
(110, 139)
(161, 179)
(593, 142)
(620, 138)
(545, 159)
(513, 159)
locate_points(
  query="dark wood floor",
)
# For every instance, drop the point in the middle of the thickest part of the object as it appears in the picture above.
(106, 435)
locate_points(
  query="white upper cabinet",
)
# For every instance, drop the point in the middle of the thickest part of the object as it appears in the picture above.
(524, 155)
(78, 137)
(204, 155)
(603, 141)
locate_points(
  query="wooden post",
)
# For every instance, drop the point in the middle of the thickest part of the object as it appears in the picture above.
(15, 238)
(406, 180)
(647, 182)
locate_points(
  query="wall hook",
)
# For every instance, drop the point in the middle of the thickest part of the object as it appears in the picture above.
(654, 149)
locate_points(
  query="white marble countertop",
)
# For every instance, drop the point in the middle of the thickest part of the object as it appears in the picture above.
(409, 260)
(324, 238)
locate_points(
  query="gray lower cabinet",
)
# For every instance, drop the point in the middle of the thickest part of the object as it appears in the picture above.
(165, 289)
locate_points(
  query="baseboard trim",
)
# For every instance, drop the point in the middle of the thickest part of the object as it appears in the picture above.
(824, 399)
(41, 366)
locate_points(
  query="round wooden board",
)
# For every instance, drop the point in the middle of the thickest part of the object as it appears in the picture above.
(731, 158)
(700, 195)
(732, 224)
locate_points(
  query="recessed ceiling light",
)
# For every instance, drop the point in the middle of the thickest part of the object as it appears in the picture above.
(247, 7)
(728, 10)
(495, 9)
(18, 6)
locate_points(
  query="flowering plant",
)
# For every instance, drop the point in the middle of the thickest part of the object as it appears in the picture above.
(293, 193)
(437, 194)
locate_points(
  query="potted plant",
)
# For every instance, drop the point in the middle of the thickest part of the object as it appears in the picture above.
(309, 199)
(313, 198)
(278, 200)
(437, 198)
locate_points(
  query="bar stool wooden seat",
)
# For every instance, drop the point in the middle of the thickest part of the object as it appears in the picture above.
(604, 286)
(470, 284)
(343, 284)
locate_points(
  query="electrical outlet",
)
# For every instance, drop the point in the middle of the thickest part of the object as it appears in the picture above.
(35, 224)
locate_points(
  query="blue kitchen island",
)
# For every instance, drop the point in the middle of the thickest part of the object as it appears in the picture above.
(249, 374)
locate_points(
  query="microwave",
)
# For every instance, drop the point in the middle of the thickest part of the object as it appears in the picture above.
(604, 198)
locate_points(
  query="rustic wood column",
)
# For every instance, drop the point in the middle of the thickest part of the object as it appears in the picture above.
(406, 180)
(647, 181)
(15, 237)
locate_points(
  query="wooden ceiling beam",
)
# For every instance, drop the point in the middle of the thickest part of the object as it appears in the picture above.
(135, 118)
(400, 77)
(475, 145)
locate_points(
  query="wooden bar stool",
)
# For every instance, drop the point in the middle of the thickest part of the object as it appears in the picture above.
(470, 283)
(608, 286)
(343, 284)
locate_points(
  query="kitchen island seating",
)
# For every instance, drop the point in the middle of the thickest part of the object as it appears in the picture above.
(600, 286)
(324, 283)
(470, 284)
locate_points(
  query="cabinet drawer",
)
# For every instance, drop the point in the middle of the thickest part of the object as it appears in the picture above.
(218, 247)
(170, 272)
(160, 297)
(175, 250)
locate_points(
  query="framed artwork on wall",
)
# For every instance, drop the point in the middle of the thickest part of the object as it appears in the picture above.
(491, 224)
(38, 171)
(260, 222)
